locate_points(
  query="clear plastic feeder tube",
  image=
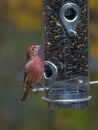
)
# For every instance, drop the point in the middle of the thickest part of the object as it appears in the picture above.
(66, 53)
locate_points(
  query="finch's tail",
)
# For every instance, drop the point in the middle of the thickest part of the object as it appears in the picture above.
(26, 89)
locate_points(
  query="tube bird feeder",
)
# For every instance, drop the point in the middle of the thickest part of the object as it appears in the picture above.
(66, 53)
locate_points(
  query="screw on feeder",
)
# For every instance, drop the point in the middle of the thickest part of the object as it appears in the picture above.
(72, 33)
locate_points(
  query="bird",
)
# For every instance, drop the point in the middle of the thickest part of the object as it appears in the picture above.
(33, 71)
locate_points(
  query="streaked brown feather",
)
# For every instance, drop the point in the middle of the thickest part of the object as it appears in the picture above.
(32, 75)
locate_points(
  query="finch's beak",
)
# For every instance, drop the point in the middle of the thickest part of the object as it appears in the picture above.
(37, 47)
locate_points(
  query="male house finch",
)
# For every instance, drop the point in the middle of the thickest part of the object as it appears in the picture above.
(33, 70)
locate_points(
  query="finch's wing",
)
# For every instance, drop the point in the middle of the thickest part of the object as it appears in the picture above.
(26, 71)
(25, 75)
(25, 85)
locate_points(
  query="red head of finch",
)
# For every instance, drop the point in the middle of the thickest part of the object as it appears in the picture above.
(33, 70)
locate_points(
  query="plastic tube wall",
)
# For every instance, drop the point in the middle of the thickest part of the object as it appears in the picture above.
(66, 52)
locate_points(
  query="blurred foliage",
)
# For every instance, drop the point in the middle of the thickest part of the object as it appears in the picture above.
(93, 4)
(20, 26)
(94, 34)
(25, 14)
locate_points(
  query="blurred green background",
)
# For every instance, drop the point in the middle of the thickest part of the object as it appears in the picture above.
(20, 26)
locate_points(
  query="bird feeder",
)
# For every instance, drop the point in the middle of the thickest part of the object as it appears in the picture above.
(66, 54)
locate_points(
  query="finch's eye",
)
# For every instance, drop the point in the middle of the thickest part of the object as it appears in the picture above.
(32, 49)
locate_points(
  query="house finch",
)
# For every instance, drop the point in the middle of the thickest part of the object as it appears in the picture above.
(33, 70)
